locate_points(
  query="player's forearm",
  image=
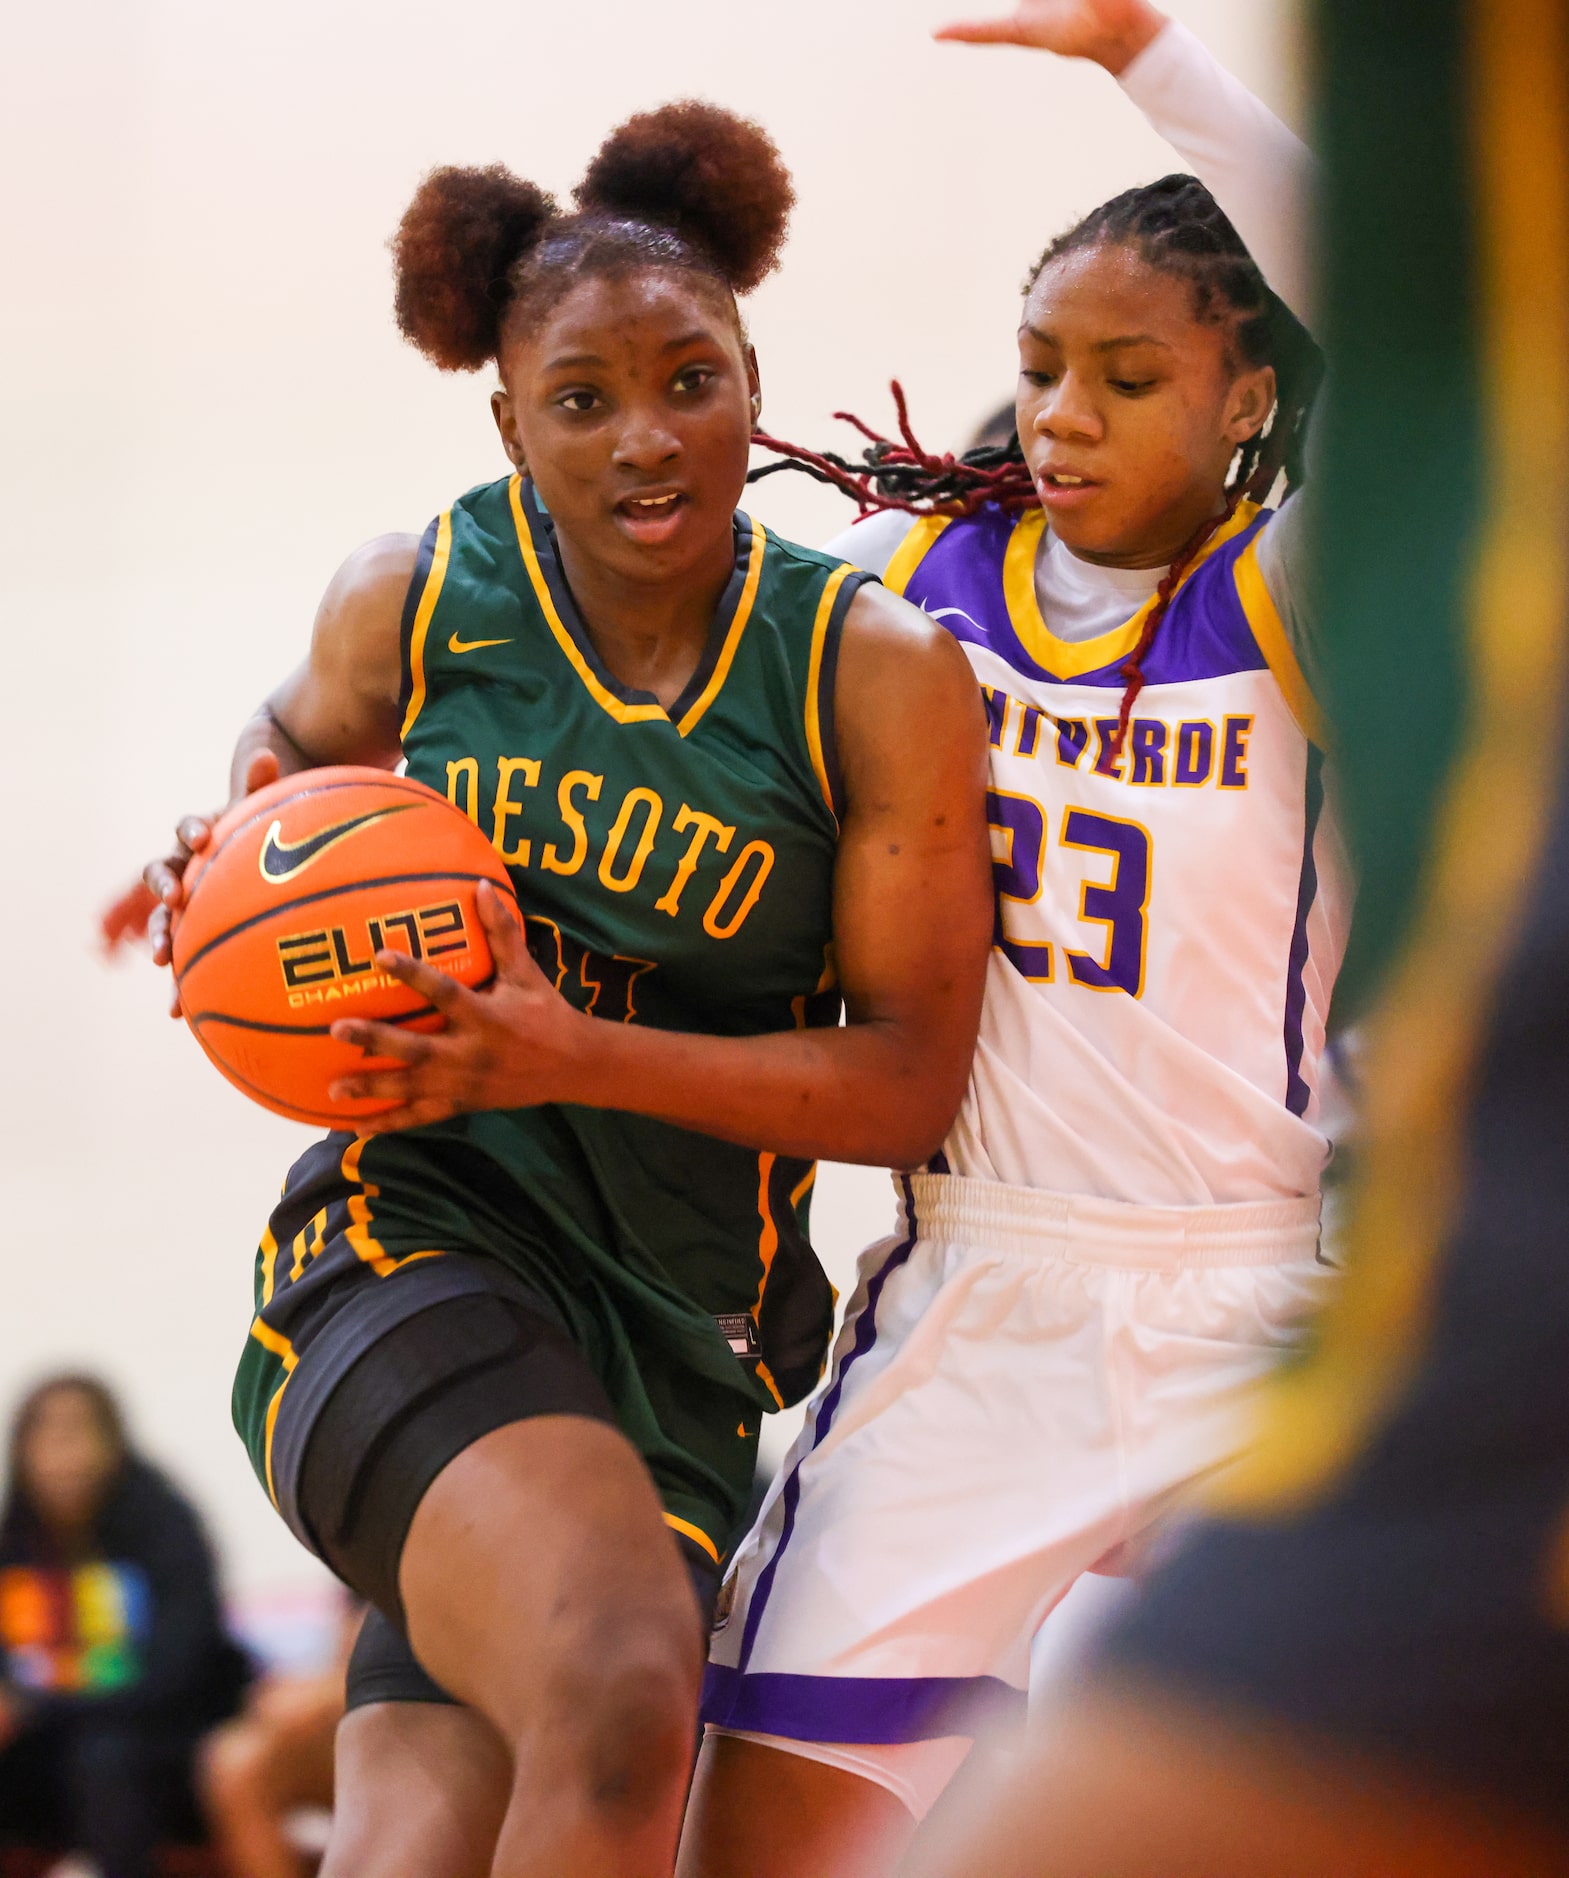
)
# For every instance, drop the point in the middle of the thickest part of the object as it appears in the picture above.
(865, 1092)
(1257, 169)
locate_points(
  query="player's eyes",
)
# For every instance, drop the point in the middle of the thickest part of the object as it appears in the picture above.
(578, 401)
(1039, 379)
(1132, 387)
(694, 377)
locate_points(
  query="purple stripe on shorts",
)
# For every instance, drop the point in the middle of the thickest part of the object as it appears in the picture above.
(870, 1710)
(865, 1336)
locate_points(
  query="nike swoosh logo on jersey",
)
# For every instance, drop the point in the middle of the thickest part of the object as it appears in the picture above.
(455, 644)
(282, 860)
(951, 612)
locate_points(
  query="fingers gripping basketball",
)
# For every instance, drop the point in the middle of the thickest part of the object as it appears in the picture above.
(301, 885)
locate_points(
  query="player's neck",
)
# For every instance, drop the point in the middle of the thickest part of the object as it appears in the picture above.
(650, 636)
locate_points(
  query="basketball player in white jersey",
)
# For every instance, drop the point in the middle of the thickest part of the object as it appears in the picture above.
(1122, 1229)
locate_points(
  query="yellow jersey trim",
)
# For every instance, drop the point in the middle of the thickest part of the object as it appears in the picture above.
(814, 674)
(1269, 629)
(743, 612)
(1067, 658)
(367, 1247)
(914, 549)
(276, 1345)
(422, 619)
(607, 700)
(1495, 816)
(269, 1270)
(693, 1532)
(767, 1250)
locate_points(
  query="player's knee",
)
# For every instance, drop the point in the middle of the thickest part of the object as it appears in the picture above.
(632, 1709)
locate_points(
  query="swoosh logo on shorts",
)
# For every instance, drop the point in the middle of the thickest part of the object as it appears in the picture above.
(282, 860)
(455, 644)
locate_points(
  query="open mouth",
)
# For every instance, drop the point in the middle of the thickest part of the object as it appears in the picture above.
(652, 515)
(1063, 489)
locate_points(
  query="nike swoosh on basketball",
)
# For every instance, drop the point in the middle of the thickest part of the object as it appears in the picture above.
(282, 860)
(455, 644)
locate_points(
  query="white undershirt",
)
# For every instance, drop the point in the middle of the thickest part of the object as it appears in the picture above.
(1077, 598)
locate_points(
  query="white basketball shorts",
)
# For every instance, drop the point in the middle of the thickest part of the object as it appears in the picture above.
(1024, 1383)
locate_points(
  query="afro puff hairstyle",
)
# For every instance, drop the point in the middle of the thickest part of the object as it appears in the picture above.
(689, 186)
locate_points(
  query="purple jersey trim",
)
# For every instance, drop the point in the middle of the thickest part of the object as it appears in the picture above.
(870, 1710)
(1205, 634)
(1297, 1092)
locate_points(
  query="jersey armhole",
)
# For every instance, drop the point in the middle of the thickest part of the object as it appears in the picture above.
(827, 631)
(1269, 632)
(419, 603)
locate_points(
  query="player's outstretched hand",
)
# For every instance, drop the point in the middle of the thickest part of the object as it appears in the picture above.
(146, 910)
(507, 1047)
(1110, 32)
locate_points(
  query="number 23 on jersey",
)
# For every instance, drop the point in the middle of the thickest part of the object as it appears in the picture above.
(1118, 903)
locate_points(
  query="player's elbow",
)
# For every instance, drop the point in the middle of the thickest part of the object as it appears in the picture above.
(910, 1131)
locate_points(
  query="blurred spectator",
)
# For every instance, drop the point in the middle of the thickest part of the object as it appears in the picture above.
(114, 1659)
(273, 1762)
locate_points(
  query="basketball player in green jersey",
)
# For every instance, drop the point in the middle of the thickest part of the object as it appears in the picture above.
(1359, 1664)
(507, 1366)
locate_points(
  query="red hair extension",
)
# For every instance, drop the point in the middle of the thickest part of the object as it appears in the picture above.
(937, 485)
(1165, 593)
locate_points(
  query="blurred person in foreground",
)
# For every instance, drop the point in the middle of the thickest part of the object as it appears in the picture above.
(114, 1659)
(1359, 1665)
(274, 1761)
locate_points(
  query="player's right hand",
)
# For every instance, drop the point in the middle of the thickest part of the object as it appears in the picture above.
(1112, 33)
(147, 909)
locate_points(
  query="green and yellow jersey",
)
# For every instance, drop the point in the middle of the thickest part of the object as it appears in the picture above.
(676, 869)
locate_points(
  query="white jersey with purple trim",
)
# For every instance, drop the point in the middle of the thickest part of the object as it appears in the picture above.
(1170, 918)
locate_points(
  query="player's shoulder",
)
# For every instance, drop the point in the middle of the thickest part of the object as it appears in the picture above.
(889, 642)
(373, 580)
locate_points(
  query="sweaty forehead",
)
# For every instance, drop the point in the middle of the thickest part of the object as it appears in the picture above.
(627, 317)
(1100, 293)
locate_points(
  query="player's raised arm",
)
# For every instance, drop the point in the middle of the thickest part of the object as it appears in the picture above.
(1256, 167)
(1109, 32)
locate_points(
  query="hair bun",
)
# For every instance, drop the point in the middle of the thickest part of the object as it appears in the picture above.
(713, 177)
(453, 251)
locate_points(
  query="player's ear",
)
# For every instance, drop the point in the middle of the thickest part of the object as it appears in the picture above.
(1251, 400)
(754, 384)
(507, 423)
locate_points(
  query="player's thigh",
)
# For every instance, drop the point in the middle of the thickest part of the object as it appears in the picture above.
(762, 1812)
(466, 1476)
(542, 1584)
(421, 1791)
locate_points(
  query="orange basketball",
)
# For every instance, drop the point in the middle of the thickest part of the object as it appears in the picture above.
(303, 883)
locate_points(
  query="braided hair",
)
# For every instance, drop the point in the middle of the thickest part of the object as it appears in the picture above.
(1175, 226)
(688, 187)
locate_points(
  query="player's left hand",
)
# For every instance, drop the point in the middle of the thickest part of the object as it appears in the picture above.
(1110, 32)
(509, 1046)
